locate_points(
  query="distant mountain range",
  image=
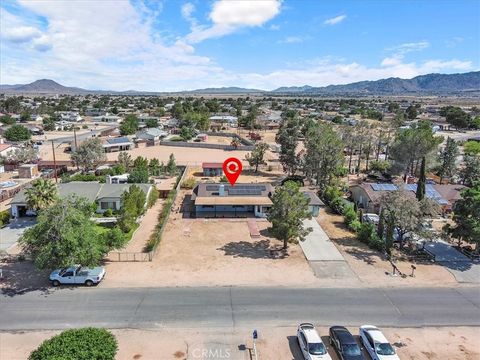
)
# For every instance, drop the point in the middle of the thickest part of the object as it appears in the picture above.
(466, 83)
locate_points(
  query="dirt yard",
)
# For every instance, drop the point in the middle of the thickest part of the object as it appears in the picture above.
(214, 252)
(371, 268)
(274, 343)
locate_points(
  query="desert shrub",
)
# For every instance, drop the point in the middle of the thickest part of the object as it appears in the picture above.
(78, 344)
(355, 225)
(349, 214)
(376, 243)
(380, 165)
(365, 233)
(223, 179)
(188, 183)
(161, 221)
(84, 177)
(108, 213)
(115, 238)
(4, 217)
(153, 197)
(175, 138)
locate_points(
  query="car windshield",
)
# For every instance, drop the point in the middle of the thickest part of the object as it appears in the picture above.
(317, 349)
(351, 349)
(384, 349)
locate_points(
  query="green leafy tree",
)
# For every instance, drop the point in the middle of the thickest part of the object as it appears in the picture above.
(78, 344)
(140, 163)
(412, 112)
(448, 157)
(324, 155)
(42, 194)
(466, 215)
(406, 212)
(133, 205)
(48, 124)
(470, 173)
(171, 167)
(26, 115)
(138, 176)
(455, 116)
(472, 147)
(186, 133)
(7, 120)
(154, 167)
(411, 145)
(289, 210)
(17, 133)
(288, 137)
(151, 123)
(129, 125)
(256, 157)
(21, 156)
(125, 159)
(64, 235)
(89, 154)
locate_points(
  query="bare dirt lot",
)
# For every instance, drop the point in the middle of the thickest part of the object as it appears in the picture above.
(371, 267)
(459, 343)
(214, 252)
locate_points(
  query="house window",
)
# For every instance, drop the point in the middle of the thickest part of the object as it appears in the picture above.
(104, 205)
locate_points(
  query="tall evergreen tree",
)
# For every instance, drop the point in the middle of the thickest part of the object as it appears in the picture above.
(448, 158)
(422, 180)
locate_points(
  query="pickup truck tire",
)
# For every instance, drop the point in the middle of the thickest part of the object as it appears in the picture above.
(89, 283)
(56, 283)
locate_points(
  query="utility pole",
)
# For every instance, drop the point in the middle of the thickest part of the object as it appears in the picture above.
(76, 146)
(54, 164)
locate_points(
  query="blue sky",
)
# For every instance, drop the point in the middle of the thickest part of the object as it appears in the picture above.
(178, 45)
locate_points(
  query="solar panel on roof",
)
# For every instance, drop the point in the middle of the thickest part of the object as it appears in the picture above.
(212, 187)
(244, 192)
(118, 140)
(384, 187)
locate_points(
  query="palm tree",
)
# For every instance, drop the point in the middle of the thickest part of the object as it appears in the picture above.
(41, 195)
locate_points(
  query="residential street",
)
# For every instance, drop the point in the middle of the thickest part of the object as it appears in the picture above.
(238, 306)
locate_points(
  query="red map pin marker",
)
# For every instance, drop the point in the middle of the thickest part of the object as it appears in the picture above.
(232, 167)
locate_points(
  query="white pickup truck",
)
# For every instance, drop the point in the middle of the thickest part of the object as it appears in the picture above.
(77, 275)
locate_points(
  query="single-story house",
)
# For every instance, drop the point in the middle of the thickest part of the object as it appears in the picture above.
(367, 196)
(6, 149)
(107, 118)
(118, 144)
(227, 119)
(106, 196)
(224, 200)
(212, 169)
(315, 202)
(151, 135)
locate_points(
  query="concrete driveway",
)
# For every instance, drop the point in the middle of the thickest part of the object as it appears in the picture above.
(10, 234)
(464, 269)
(322, 254)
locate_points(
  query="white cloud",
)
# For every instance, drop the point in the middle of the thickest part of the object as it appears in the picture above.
(335, 20)
(227, 16)
(274, 27)
(291, 40)
(21, 34)
(409, 47)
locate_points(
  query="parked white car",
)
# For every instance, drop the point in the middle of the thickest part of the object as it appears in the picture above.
(376, 344)
(77, 275)
(311, 343)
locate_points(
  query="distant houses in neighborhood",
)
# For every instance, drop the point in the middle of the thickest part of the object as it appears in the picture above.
(106, 196)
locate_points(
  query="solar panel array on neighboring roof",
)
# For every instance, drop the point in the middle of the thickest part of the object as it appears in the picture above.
(384, 187)
(430, 192)
(213, 187)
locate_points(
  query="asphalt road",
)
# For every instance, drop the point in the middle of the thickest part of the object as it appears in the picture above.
(237, 306)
